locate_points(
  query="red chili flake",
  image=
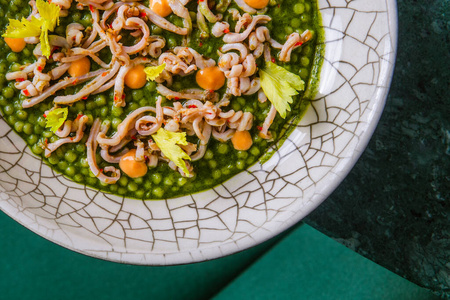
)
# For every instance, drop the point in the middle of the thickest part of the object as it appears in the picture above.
(176, 98)
(259, 128)
(71, 138)
(91, 8)
(298, 44)
(45, 116)
(79, 116)
(273, 59)
(104, 74)
(84, 98)
(123, 96)
(19, 79)
(133, 137)
(101, 170)
(26, 92)
(39, 68)
(75, 81)
(146, 158)
(46, 142)
(200, 44)
(143, 15)
(192, 106)
(115, 98)
(226, 30)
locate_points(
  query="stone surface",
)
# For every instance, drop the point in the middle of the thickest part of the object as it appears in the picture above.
(393, 207)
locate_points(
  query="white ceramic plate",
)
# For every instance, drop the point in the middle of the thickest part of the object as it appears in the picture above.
(253, 206)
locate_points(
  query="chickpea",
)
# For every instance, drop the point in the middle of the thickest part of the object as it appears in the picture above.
(131, 167)
(242, 140)
(16, 45)
(136, 78)
(80, 67)
(210, 78)
(160, 7)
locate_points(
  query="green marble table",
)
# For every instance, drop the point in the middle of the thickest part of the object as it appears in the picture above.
(394, 206)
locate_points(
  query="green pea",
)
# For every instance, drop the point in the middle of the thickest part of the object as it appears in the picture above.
(38, 129)
(168, 181)
(78, 178)
(21, 114)
(12, 119)
(62, 165)
(156, 30)
(137, 95)
(240, 164)
(226, 171)
(216, 174)
(121, 190)
(288, 30)
(100, 100)
(181, 181)
(248, 109)
(294, 57)
(80, 148)
(303, 73)
(242, 154)
(47, 134)
(32, 139)
(70, 171)
(18, 126)
(172, 42)
(8, 92)
(80, 106)
(235, 106)
(60, 153)
(76, 16)
(27, 128)
(113, 188)
(305, 18)
(8, 110)
(304, 61)
(138, 180)
(12, 57)
(41, 121)
(117, 111)
(85, 171)
(308, 6)
(70, 156)
(299, 8)
(90, 105)
(3, 101)
(147, 185)
(150, 86)
(132, 186)
(104, 111)
(3, 68)
(139, 194)
(53, 159)
(53, 139)
(295, 23)
(307, 50)
(116, 122)
(250, 160)
(133, 106)
(158, 192)
(212, 164)
(156, 178)
(37, 149)
(208, 154)
(222, 148)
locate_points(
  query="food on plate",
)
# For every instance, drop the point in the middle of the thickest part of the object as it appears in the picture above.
(156, 99)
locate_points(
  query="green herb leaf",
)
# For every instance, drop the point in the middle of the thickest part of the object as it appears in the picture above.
(56, 118)
(280, 85)
(49, 18)
(22, 29)
(168, 142)
(153, 72)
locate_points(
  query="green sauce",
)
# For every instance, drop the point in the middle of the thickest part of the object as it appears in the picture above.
(221, 160)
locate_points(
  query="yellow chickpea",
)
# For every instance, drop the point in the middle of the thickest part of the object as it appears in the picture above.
(80, 67)
(210, 78)
(136, 78)
(160, 7)
(131, 167)
(242, 140)
(257, 4)
(16, 45)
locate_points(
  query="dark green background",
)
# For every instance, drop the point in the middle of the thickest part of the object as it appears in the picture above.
(300, 264)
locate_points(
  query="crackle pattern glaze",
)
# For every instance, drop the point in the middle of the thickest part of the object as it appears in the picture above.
(252, 206)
